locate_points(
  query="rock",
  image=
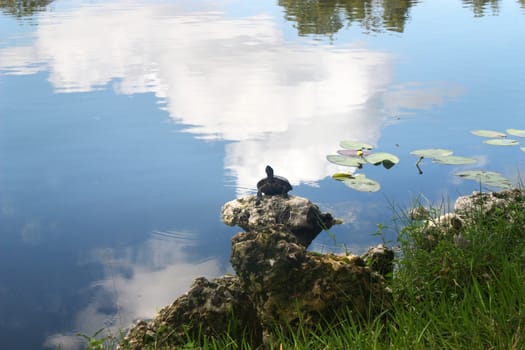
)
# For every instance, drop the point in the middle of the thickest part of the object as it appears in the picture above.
(278, 283)
(449, 222)
(299, 215)
(289, 286)
(488, 202)
(380, 259)
(206, 310)
(419, 213)
(446, 226)
(467, 209)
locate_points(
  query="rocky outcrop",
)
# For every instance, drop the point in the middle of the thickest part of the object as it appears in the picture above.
(489, 202)
(381, 259)
(466, 209)
(289, 286)
(278, 283)
(295, 214)
(208, 309)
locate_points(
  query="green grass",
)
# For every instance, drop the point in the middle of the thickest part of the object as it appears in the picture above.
(446, 296)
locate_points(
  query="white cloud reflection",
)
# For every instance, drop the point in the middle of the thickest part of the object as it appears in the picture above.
(237, 79)
(139, 282)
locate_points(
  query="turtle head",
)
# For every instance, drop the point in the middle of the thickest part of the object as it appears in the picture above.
(269, 171)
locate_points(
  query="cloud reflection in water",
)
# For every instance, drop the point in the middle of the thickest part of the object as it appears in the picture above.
(237, 79)
(139, 282)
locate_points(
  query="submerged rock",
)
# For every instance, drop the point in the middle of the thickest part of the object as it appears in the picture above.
(297, 214)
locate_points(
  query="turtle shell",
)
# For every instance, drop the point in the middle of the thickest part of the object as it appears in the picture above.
(274, 186)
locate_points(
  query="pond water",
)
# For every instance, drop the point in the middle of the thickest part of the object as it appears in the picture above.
(125, 125)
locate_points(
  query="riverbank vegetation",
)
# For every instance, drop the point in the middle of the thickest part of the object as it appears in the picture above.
(452, 290)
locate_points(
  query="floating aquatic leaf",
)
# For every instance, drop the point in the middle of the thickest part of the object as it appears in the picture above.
(342, 176)
(501, 142)
(454, 160)
(432, 152)
(352, 152)
(354, 145)
(361, 183)
(488, 133)
(488, 178)
(387, 159)
(516, 132)
(523, 149)
(346, 161)
(388, 163)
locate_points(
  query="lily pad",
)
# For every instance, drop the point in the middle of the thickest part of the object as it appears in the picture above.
(488, 133)
(355, 145)
(342, 176)
(501, 142)
(352, 152)
(387, 159)
(361, 183)
(346, 161)
(516, 132)
(432, 152)
(488, 178)
(454, 160)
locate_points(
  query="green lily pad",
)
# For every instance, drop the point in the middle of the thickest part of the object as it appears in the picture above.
(354, 145)
(387, 159)
(352, 152)
(488, 133)
(342, 176)
(344, 160)
(516, 132)
(361, 183)
(488, 178)
(387, 164)
(454, 160)
(432, 152)
(501, 142)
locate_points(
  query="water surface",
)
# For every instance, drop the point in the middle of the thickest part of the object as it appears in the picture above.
(125, 125)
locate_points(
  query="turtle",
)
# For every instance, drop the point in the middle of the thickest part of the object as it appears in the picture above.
(272, 185)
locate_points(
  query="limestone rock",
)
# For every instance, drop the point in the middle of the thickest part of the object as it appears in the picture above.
(380, 258)
(207, 309)
(288, 285)
(466, 210)
(446, 223)
(419, 213)
(487, 202)
(445, 227)
(298, 215)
